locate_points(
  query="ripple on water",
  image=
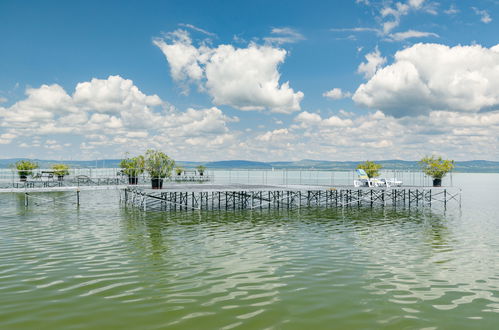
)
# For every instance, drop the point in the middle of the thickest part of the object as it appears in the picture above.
(266, 269)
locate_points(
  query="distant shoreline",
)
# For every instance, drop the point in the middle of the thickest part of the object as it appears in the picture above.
(471, 166)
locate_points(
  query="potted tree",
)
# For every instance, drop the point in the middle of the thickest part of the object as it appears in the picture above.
(25, 168)
(179, 170)
(201, 169)
(436, 167)
(371, 168)
(60, 170)
(133, 167)
(159, 166)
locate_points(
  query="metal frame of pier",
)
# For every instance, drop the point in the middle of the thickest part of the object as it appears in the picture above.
(237, 197)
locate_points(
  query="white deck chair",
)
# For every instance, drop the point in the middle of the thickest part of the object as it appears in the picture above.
(363, 179)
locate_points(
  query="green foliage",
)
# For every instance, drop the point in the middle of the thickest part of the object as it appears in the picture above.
(179, 170)
(371, 168)
(201, 169)
(436, 167)
(25, 167)
(158, 164)
(133, 166)
(60, 169)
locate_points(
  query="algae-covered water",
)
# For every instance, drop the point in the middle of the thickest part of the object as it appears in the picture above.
(105, 267)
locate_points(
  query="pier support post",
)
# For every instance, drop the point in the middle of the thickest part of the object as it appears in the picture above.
(445, 198)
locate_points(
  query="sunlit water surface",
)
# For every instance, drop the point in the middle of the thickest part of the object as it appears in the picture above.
(106, 267)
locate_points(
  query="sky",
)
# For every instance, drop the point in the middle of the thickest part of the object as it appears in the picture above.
(254, 80)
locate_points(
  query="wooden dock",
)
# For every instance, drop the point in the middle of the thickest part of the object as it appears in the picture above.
(237, 197)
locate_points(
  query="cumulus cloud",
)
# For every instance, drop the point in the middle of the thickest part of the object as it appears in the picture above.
(374, 62)
(459, 135)
(336, 94)
(307, 119)
(244, 78)
(184, 59)
(111, 95)
(428, 77)
(41, 104)
(108, 113)
(205, 134)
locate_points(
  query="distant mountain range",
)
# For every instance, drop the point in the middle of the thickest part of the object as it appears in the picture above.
(464, 166)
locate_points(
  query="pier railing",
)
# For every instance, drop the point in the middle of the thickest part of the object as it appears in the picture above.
(115, 176)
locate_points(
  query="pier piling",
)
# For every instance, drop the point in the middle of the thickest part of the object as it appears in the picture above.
(232, 197)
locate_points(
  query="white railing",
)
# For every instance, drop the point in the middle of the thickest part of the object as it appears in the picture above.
(235, 176)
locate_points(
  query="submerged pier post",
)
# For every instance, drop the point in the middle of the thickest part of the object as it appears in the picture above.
(254, 197)
(445, 198)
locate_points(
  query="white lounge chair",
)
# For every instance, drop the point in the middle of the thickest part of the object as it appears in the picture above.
(363, 179)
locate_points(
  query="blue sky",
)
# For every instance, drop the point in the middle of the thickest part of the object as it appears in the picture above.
(259, 80)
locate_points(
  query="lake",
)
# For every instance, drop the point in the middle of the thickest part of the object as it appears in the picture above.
(103, 266)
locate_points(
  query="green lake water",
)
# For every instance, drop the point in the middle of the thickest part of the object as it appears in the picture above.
(105, 267)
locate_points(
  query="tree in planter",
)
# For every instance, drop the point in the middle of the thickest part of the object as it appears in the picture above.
(201, 169)
(436, 167)
(60, 170)
(371, 168)
(25, 168)
(133, 167)
(159, 166)
(179, 170)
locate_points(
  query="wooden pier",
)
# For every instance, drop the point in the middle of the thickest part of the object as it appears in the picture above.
(237, 197)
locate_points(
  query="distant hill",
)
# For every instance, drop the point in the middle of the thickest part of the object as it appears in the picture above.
(238, 164)
(464, 166)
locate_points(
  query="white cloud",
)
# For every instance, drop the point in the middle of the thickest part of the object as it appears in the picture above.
(399, 36)
(281, 134)
(358, 29)
(390, 14)
(7, 136)
(41, 104)
(308, 118)
(452, 10)
(184, 59)
(459, 135)
(283, 36)
(336, 94)
(3, 100)
(484, 15)
(374, 62)
(428, 77)
(416, 3)
(395, 13)
(244, 78)
(195, 28)
(111, 95)
(110, 114)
